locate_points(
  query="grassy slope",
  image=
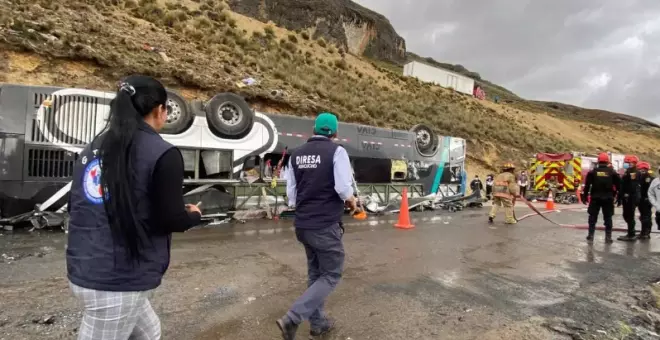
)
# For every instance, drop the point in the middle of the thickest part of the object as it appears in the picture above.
(92, 43)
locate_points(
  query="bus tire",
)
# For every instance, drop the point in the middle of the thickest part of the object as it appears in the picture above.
(179, 114)
(229, 116)
(426, 141)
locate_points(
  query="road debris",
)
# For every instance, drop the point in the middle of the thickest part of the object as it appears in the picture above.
(47, 320)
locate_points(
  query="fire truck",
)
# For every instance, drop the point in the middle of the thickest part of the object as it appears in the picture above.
(565, 172)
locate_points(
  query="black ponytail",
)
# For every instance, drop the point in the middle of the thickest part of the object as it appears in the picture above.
(137, 97)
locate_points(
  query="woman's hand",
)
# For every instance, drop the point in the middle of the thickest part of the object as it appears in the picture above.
(193, 208)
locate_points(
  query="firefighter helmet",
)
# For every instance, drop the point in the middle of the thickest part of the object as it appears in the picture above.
(508, 166)
(630, 159)
(603, 157)
(643, 166)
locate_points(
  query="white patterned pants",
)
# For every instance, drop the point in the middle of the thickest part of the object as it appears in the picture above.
(116, 315)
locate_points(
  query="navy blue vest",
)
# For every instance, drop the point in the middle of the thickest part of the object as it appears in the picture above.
(317, 203)
(93, 261)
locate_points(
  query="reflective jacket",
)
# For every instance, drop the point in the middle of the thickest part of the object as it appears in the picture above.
(505, 185)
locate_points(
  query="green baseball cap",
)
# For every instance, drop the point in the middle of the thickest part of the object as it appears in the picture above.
(326, 124)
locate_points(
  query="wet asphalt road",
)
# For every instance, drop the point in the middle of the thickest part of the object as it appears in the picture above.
(451, 277)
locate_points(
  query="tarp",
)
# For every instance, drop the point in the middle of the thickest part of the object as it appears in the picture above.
(553, 157)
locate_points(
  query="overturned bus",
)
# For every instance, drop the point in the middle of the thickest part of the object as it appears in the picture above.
(42, 130)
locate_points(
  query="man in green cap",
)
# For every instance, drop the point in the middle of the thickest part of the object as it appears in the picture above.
(319, 183)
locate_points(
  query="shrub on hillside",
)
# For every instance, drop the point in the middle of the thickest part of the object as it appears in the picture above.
(341, 64)
(172, 18)
(293, 38)
(289, 46)
(202, 23)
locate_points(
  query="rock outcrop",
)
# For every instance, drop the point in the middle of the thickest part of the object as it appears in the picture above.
(357, 29)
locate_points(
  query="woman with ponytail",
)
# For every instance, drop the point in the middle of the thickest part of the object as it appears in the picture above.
(126, 201)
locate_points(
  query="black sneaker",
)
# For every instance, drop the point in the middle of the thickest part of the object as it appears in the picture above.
(608, 239)
(627, 238)
(643, 236)
(323, 330)
(590, 237)
(287, 327)
(490, 220)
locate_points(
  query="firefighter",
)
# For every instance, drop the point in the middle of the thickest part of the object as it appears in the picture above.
(629, 195)
(616, 193)
(601, 184)
(645, 206)
(654, 197)
(476, 185)
(505, 191)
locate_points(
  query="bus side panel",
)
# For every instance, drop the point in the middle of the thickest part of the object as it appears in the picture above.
(12, 109)
(292, 132)
(11, 155)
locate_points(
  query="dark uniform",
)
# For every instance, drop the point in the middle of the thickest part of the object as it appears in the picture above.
(601, 183)
(476, 185)
(629, 197)
(645, 206)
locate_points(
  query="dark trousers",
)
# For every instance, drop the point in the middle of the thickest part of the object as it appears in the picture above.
(657, 219)
(629, 216)
(645, 219)
(489, 192)
(523, 191)
(607, 206)
(325, 263)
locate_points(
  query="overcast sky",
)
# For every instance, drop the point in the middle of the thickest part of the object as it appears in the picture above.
(594, 53)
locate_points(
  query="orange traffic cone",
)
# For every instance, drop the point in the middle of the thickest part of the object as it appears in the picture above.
(404, 213)
(550, 203)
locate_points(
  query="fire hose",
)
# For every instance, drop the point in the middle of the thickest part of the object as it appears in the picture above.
(562, 225)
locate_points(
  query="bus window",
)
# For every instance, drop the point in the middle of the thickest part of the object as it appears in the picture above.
(251, 169)
(216, 164)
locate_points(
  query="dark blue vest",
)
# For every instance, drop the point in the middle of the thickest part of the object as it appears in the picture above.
(93, 261)
(317, 203)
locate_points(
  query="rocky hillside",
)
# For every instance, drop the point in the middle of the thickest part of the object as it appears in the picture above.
(344, 23)
(204, 47)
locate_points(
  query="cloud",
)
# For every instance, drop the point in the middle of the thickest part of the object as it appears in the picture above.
(600, 54)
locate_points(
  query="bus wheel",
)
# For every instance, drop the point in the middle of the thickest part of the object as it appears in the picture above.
(179, 115)
(426, 141)
(229, 116)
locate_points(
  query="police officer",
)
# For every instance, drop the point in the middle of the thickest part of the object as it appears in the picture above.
(126, 199)
(319, 183)
(505, 191)
(629, 195)
(476, 185)
(645, 206)
(601, 184)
